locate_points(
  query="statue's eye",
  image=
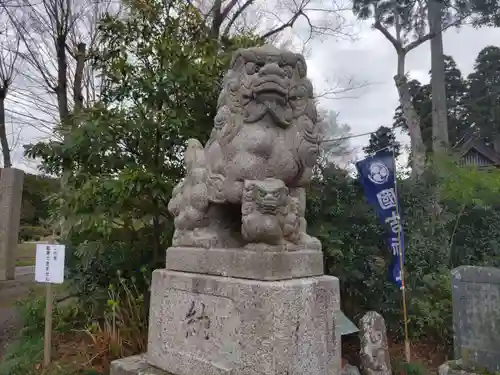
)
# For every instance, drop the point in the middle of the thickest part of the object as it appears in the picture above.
(298, 92)
(301, 91)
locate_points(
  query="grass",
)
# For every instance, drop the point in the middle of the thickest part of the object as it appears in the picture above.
(21, 355)
(25, 254)
(24, 355)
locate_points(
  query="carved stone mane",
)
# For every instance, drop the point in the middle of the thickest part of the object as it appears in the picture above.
(266, 128)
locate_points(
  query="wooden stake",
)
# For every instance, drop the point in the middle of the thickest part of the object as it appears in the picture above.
(47, 349)
(49, 300)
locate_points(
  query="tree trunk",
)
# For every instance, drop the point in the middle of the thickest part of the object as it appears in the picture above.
(440, 141)
(64, 114)
(411, 117)
(78, 79)
(3, 133)
(62, 82)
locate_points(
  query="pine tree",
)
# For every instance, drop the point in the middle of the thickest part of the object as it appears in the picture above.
(382, 138)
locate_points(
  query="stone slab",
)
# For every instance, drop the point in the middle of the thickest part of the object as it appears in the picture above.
(11, 193)
(476, 316)
(135, 365)
(246, 264)
(213, 325)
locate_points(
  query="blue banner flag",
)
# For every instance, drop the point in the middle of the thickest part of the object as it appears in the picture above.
(377, 175)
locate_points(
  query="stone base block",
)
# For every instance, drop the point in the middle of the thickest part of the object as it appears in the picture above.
(246, 264)
(212, 325)
(136, 365)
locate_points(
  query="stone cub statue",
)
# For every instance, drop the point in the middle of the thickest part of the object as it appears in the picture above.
(270, 217)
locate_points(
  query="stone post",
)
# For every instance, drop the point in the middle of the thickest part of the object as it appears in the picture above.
(11, 193)
(374, 354)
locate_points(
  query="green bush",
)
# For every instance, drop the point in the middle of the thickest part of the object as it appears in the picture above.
(93, 266)
(353, 244)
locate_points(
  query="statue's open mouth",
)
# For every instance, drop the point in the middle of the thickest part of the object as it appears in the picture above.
(268, 208)
(269, 90)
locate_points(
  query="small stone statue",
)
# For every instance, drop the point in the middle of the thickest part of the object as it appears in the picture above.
(374, 353)
(269, 215)
(258, 160)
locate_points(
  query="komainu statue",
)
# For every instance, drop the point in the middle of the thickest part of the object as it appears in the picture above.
(245, 188)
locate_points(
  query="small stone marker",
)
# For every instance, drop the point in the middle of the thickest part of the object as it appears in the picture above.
(374, 352)
(476, 317)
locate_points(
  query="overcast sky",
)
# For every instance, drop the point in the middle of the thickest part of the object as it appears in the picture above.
(371, 58)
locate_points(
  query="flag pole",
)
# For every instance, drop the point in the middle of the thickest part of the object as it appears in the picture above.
(401, 266)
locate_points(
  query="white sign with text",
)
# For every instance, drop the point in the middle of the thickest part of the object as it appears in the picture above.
(49, 266)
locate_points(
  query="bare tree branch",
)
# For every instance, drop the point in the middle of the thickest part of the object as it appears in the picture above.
(271, 20)
(9, 47)
(57, 38)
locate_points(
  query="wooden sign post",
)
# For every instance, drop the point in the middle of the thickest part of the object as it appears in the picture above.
(49, 269)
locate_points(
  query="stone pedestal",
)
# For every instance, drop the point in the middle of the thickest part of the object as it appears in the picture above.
(212, 325)
(203, 324)
(11, 193)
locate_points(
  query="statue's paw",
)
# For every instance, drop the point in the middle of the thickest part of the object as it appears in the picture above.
(198, 237)
(233, 190)
(206, 238)
(292, 246)
(215, 188)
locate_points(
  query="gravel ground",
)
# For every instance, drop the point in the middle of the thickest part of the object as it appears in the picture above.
(10, 292)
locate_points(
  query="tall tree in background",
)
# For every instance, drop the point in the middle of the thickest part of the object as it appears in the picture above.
(440, 138)
(9, 48)
(58, 40)
(409, 33)
(456, 89)
(56, 37)
(483, 98)
(441, 15)
(381, 139)
(413, 17)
